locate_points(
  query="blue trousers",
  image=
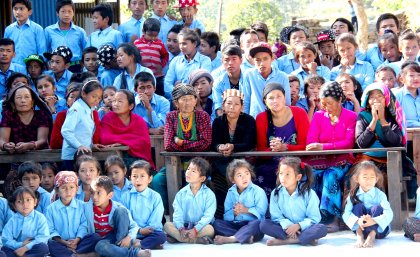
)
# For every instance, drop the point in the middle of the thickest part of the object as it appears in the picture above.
(242, 230)
(108, 246)
(38, 250)
(152, 241)
(311, 233)
(376, 210)
(86, 245)
(2, 254)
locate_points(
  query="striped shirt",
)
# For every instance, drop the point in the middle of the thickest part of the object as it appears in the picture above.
(153, 54)
(102, 226)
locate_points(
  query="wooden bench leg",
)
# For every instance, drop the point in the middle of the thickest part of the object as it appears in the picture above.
(173, 179)
(416, 155)
(394, 172)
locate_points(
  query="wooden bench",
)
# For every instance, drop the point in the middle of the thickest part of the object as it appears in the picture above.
(394, 171)
(158, 145)
(413, 134)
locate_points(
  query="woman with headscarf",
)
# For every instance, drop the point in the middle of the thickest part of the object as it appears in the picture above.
(331, 129)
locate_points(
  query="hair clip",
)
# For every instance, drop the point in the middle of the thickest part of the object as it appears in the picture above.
(302, 165)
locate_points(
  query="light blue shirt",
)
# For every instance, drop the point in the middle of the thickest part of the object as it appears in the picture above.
(160, 106)
(246, 65)
(410, 106)
(303, 103)
(132, 229)
(216, 62)
(145, 207)
(108, 76)
(196, 24)
(287, 63)
(198, 209)
(62, 83)
(254, 84)
(361, 70)
(417, 212)
(166, 24)
(29, 39)
(171, 57)
(67, 222)
(301, 74)
(77, 130)
(374, 56)
(106, 36)
(369, 199)
(80, 194)
(220, 84)
(44, 201)
(286, 209)
(60, 105)
(13, 67)
(119, 192)
(253, 198)
(131, 27)
(5, 214)
(75, 39)
(349, 105)
(130, 80)
(20, 228)
(180, 69)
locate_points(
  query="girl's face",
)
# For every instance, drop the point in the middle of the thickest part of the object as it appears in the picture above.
(123, 59)
(25, 204)
(313, 90)
(117, 174)
(305, 57)
(233, 107)
(387, 77)
(297, 37)
(88, 172)
(347, 52)
(72, 97)
(241, 178)
(90, 62)
(193, 174)
(339, 28)
(67, 192)
(331, 105)
(367, 179)
(93, 98)
(390, 51)
(23, 100)
(186, 104)
(411, 79)
(409, 49)
(21, 80)
(346, 84)
(45, 88)
(186, 46)
(288, 177)
(376, 97)
(31, 180)
(202, 87)
(294, 90)
(140, 179)
(108, 97)
(47, 181)
(34, 69)
(120, 104)
(275, 101)
(327, 48)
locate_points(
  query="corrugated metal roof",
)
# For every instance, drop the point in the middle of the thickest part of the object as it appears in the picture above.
(43, 12)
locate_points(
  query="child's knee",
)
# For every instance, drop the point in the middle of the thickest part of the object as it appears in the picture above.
(376, 210)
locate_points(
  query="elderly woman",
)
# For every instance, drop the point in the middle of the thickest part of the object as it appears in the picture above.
(234, 131)
(122, 127)
(23, 127)
(280, 128)
(331, 128)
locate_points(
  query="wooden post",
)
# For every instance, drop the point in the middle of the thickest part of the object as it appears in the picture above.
(173, 179)
(394, 174)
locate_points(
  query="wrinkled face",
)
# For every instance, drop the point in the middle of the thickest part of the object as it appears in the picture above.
(408, 48)
(390, 51)
(331, 105)
(90, 62)
(138, 7)
(203, 87)
(108, 97)
(388, 24)
(140, 179)
(31, 180)
(186, 103)
(120, 104)
(376, 97)
(275, 100)
(66, 14)
(241, 178)
(172, 43)
(327, 48)
(339, 28)
(367, 179)
(386, 77)
(186, 46)
(233, 106)
(160, 7)
(7, 53)
(23, 100)
(45, 88)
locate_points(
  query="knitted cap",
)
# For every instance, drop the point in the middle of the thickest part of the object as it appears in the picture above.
(106, 54)
(182, 89)
(272, 86)
(198, 74)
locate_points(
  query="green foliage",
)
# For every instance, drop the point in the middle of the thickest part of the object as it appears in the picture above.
(389, 5)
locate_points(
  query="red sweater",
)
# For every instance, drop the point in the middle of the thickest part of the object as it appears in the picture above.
(301, 123)
(56, 141)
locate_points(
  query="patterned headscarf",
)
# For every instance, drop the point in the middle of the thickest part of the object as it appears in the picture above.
(64, 177)
(182, 89)
(391, 104)
(332, 89)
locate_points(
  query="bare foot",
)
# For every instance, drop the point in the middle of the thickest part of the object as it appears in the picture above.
(276, 241)
(144, 253)
(219, 240)
(314, 242)
(360, 238)
(370, 240)
(203, 240)
(416, 237)
(136, 243)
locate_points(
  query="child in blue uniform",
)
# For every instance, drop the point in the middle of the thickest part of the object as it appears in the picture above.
(116, 170)
(294, 207)
(245, 205)
(67, 220)
(26, 233)
(146, 207)
(30, 174)
(45, 86)
(194, 207)
(367, 211)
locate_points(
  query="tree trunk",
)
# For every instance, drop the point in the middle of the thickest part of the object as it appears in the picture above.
(363, 25)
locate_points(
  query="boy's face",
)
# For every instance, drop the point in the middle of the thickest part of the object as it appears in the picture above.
(98, 21)
(47, 181)
(34, 69)
(31, 180)
(327, 48)
(388, 24)
(409, 49)
(297, 37)
(21, 13)
(389, 51)
(263, 62)
(66, 14)
(67, 192)
(294, 90)
(146, 88)
(187, 12)
(205, 48)
(203, 87)
(90, 62)
(411, 79)
(137, 7)
(232, 63)
(6, 54)
(151, 35)
(57, 64)
(248, 41)
(339, 28)
(160, 7)
(100, 197)
(172, 43)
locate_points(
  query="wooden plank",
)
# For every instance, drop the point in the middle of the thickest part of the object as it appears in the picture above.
(395, 189)
(158, 144)
(413, 134)
(173, 179)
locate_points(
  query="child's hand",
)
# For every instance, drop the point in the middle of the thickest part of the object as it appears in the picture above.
(369, 221)
(188, 20)
(240, 209)
(21, 251)
(361, 222)
(326, 61)
(312, 67)
(72, 243)
(183, 233)
(125, 242)
(293, 230)
(350, 95)
(146, 231)
(27, 241)
(192, 233)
